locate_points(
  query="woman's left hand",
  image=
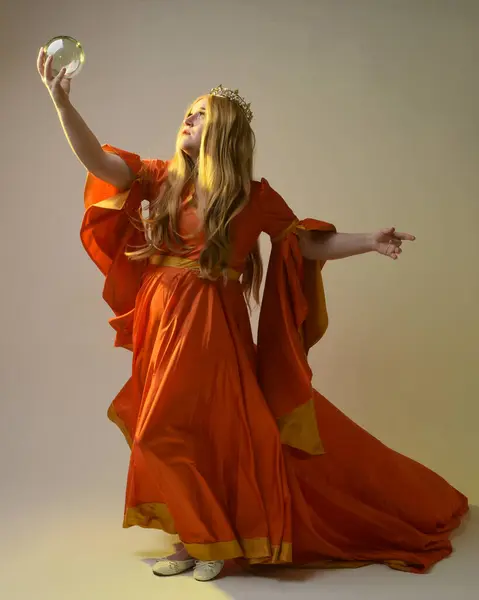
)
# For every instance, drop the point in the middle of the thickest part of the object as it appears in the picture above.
(389, 242)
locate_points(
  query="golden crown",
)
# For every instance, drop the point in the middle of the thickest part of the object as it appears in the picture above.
(234, 96)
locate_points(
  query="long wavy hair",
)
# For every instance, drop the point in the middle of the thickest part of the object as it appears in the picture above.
(221, 180)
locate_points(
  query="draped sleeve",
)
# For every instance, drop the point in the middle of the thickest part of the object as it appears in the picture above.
(293, 318)
(108, 230)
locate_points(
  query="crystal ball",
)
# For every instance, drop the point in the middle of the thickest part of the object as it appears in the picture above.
(67, 52)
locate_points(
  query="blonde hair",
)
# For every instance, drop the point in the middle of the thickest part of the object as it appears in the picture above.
(223, 173)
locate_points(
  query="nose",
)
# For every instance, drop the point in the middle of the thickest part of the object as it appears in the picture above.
(189, 121)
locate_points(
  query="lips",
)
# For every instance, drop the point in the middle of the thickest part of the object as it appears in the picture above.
(185, 132)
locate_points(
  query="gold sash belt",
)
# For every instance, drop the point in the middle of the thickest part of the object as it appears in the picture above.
(164, 260)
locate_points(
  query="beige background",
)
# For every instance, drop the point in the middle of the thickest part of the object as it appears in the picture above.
(366, 114)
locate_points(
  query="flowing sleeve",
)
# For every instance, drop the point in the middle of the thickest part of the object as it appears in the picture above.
(293, 318)
(108, 230)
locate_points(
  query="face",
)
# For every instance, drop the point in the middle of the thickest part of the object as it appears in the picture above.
(192, 129)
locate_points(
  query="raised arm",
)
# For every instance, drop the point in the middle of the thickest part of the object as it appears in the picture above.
(104, 165)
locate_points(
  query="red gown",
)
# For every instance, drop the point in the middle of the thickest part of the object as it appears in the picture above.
(231, 447)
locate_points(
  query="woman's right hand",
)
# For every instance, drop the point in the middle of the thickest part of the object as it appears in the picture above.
(59, 86)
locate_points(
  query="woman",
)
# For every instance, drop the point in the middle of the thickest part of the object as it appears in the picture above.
(231, 447)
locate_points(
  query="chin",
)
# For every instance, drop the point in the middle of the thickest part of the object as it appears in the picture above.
(189, 149)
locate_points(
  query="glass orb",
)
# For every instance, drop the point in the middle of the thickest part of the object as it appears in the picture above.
(67, 52)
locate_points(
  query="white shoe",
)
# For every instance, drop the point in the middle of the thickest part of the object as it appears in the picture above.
(166, 567)
(208, 570)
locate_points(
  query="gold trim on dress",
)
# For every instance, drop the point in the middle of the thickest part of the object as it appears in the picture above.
(154, 515)
(116, 202)
(114, 418)
(290, 229)
(166, 260)
(256, 552)
(151, 515)
(317, 320)
(299, 429)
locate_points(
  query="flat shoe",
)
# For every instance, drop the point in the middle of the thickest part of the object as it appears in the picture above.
(166, 567)
(208, 570)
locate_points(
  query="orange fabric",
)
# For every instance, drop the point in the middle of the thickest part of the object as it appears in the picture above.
(285, 330)
(107, 231)
(203, 408)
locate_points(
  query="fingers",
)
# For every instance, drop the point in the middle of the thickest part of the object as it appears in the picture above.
(393, 249)
(59, 78)
(396, 253)
(48, 71)
(41, 62)
(392, 246)
(404, 236)
(393, 234)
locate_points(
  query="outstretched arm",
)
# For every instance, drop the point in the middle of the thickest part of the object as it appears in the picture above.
(108, 167)
(317, 245)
